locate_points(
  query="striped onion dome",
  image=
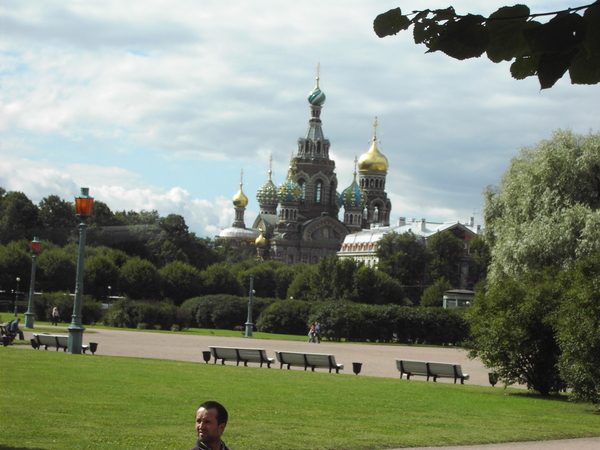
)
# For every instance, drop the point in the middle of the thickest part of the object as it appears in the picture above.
(354, 196)
(267, 194)
(289, 190)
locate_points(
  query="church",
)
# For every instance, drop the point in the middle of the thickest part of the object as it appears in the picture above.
(299, 219)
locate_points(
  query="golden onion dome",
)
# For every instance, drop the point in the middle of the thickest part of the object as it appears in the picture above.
(373, 160)
(239, 199)
(260, 241)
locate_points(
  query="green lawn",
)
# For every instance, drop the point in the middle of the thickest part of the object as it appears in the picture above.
(53, 400)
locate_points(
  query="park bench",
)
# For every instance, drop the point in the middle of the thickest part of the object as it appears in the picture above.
(306, 360)
(245, 355)
(51, 340)
(431, 369)
(59, 341)
(411, 367)
(7, 336)
(447, 370)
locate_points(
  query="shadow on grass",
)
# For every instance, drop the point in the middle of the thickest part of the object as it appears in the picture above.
(533, 395)
(5, 447)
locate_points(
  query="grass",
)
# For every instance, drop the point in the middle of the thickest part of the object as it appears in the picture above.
(53, 400)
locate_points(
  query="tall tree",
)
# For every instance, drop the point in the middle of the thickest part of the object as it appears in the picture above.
(445, 251)
(404, 257)
(57, 213)
(545, 211)
(17, 215)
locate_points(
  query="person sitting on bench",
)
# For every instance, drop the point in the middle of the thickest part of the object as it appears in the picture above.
(13, 327)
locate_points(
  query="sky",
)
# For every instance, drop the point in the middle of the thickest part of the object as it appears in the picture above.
(159, 105)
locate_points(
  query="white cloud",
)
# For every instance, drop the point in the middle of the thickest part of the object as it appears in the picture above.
(160, 107)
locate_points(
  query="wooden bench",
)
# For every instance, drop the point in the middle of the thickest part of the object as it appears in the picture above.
(306, 360)
(245, 355)
(431, 369)
(51, 340)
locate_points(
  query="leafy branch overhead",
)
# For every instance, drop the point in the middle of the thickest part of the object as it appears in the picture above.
(568, 41)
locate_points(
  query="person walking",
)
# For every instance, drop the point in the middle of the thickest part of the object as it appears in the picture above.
(55, 316)
(312, 333)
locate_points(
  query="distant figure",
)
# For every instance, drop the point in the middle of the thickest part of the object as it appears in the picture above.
(318, 332)
(211, 419)
(55, 316)
(13, 327)
(312, 333)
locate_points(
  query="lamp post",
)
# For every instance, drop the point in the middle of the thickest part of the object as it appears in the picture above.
(17, 297)
(109, 300)
(249, 321)
(83, 209)
(29, 315)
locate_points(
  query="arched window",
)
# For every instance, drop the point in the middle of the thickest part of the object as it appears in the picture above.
(319, 192)
(318, 147)
(306, 144)
(302, 184)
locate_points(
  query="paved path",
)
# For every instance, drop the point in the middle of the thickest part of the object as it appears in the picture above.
(377, 361)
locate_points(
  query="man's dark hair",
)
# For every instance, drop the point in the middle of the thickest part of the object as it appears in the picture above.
(222, 415)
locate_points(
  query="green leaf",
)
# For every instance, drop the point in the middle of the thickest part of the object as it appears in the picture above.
(465, 38)
(585, 68)
(426, 31)
(391, 22)
(592, 38)
(524, 66)
(444, 14)
(552, 67)
(506, 33)
(562, 34)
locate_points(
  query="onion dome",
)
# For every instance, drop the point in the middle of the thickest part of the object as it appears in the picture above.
(289, 190)
(316, 97)
(267, 194)
(260, 241)
(373, 160)
(239, 199)
(353, 196)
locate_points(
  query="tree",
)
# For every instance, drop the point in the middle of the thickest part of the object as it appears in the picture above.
(513, 330)
(180, 281)
(545, 211)
(218, 279)
(57, 270)
(481, 258)
(140, 279)
(99, 273)
(445, 252)
(57, 213)
(578, 330)
(17, 215)
(434, 294)
(568, 41)
(404, 257)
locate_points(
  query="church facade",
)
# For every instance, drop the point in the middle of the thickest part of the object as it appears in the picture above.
(299, 219)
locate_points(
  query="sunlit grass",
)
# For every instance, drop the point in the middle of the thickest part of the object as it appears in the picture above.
(53, 400)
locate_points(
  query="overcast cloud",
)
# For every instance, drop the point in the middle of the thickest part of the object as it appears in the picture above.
(160, 105)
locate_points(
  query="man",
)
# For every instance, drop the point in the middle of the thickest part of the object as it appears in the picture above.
(211, 419)
(13, 327)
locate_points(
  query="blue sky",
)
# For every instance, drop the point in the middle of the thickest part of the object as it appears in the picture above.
(160, 105)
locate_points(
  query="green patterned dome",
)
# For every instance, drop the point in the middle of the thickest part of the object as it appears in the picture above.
(353, 196)
(267, 194)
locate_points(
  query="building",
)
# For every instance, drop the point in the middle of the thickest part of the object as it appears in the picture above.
(298, 220)
(362, 246)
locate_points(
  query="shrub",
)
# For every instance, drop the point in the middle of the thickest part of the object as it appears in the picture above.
(91, 310)
(285, 317)
(126, 313)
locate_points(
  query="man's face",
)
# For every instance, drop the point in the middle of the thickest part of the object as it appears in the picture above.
(207, 427)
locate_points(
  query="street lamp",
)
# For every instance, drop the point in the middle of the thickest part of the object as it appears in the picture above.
(109, 300)
(17, 297)
(29, 315)
(83, 209)
(249, 321)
